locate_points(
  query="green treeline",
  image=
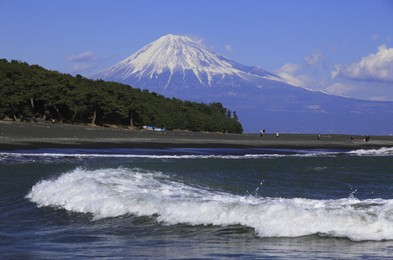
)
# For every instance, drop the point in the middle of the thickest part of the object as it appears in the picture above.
(30, 91)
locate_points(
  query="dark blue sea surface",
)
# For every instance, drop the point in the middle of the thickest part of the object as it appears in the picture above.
(196, 203)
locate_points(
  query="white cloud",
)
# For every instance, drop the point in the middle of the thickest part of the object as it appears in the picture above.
(380, 98)
(228, 47)
(195, 38)
(290, 73)
(342, 89)
(84, 62)
(313, 58)
(86, 56)
(374, 67)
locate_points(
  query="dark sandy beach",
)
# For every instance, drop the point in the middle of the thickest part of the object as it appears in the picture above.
(15, 135)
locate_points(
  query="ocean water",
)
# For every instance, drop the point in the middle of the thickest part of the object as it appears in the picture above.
(196, 203)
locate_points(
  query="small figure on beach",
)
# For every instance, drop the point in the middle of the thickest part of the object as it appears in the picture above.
(351, 138)
(261, 133)
(319, 137)
(366, 138)
(277, 135)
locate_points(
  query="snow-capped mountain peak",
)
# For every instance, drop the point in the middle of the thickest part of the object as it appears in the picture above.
(178, 67)
(170, 54)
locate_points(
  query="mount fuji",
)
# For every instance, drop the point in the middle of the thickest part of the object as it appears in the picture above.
(176, 66)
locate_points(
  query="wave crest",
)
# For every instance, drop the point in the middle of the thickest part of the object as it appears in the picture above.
(384, 151)
(115, 192)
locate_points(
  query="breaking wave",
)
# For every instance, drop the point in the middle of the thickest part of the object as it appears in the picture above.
(114, 192)
(373, 152)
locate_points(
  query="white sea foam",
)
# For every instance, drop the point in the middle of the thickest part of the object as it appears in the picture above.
(373, 152)
(163, 156)
(115, 192)
(150, 156)
(296, 153)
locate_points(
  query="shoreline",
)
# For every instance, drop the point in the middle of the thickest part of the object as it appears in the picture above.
(18, 135)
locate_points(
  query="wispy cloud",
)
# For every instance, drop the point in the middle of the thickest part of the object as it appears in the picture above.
(228, 47)
(313, 58)
(84, 62)
(342, 89)
(374, 67)
(290, 72)
(86, 56)
(197, 39)
(380, 98)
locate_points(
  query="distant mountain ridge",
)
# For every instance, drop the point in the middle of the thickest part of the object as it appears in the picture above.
(177, 66)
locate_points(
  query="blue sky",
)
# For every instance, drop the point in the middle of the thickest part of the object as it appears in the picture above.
(343, 47)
